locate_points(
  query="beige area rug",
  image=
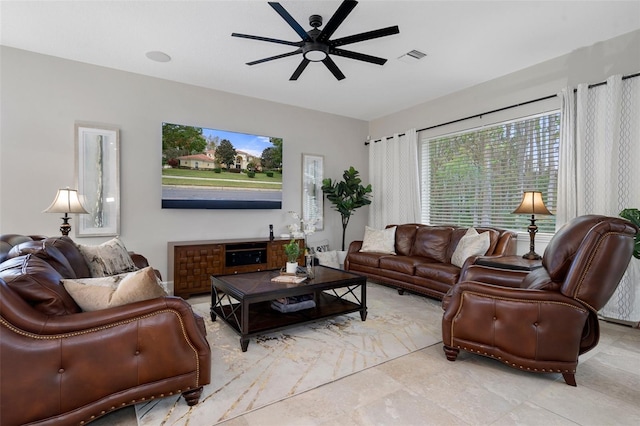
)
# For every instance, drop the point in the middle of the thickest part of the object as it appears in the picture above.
(281, 364)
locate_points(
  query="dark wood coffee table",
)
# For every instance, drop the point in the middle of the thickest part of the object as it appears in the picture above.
(244, 300)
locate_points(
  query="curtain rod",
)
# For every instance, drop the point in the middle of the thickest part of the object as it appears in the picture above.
(602, 83)
(544, 98)
(471, 117)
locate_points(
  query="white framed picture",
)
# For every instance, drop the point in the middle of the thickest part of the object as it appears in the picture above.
(98, 178)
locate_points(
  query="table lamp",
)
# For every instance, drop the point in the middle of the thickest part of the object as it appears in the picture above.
(66, 202)
(532, 204)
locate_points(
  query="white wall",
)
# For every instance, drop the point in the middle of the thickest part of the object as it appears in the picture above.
(593, 64)
(42, 97)
(620, 55)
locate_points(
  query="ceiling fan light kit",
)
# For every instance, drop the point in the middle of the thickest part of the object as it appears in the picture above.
(316, 45)
(315, 52)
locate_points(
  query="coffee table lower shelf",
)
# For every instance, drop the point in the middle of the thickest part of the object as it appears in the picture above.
(263, 318)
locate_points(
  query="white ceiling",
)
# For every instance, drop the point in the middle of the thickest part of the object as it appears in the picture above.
(467, 43)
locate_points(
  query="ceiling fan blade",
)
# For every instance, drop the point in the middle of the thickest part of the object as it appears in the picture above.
(341, 14)
(299, 70)
(383, 32)
(333, 68)
(271, 40)
(292, 22)
(358, 56)
(271, 58)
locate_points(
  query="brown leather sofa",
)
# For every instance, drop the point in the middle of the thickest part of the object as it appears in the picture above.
(60, 365)
(422, 263)
(543, 320)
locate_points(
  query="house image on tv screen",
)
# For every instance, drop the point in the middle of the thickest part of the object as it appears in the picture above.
(206, 168)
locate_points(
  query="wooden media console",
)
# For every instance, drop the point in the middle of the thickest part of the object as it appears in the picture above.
(192, 263)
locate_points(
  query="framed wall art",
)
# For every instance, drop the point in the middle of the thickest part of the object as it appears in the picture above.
(98, 177)
(312, 196)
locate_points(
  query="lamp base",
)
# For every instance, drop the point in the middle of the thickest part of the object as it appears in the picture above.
(65, 228)
(533, 230)
(532, 256)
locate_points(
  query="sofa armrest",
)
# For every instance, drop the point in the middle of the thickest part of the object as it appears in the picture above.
(354, 247)
(507, 244)
(492, 275)
(480, 313)
(141, 262)
(19, 313)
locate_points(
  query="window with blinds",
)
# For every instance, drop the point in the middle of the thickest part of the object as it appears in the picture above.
(477, 177)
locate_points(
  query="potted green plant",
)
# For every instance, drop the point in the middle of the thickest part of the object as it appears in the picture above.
(347, 195)
(292, 250)
(633, 216)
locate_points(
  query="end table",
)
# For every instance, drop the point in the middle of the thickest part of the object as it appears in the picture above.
(513, 262)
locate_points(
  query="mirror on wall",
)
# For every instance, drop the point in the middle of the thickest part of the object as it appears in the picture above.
(312, 197)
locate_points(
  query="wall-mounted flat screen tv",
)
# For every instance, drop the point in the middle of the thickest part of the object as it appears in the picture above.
(206, 168)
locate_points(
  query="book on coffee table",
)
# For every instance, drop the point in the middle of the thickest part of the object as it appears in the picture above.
(293, 307)
(289, 279)
(293, 303)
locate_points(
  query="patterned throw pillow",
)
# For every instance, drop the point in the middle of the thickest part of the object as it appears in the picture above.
(108, 258)
(93, 294)
(379, 240)
(318, 246)
(471, 244)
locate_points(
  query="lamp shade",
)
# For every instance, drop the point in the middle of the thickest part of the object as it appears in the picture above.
(66, 201)
(532, 204)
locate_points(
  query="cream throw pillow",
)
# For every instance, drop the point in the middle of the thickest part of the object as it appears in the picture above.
(108, 258)
(93, 294)
(471, 244)
(379, 240)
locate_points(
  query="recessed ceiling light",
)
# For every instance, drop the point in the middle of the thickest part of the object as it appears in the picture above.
(158, 56)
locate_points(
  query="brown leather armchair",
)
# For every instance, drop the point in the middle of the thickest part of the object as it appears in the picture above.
(60, 365)
(543, 320)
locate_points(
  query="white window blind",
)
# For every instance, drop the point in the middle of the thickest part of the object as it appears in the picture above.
(477, 177)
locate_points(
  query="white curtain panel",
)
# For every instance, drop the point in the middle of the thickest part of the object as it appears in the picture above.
(605, 156)
(393, 171)
(567, 207)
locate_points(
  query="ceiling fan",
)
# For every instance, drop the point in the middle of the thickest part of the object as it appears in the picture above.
(316, 45)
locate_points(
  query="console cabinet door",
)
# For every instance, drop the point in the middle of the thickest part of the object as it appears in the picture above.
(276, 257)
(194, 266)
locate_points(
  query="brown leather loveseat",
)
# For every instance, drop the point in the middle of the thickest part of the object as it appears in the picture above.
(422, 263)
(60, 365)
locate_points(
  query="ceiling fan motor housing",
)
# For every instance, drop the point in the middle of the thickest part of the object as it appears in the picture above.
(315, 21)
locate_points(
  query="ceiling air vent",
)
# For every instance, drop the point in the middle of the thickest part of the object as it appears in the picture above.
(412, 56)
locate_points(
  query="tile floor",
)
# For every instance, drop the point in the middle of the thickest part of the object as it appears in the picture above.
(423, 388)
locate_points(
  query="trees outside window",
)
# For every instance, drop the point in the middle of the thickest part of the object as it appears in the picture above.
(477, 177)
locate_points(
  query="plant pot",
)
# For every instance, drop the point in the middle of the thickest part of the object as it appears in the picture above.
(291, 267)
(342, 256)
